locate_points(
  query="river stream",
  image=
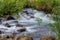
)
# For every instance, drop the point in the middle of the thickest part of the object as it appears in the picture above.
(28, 19)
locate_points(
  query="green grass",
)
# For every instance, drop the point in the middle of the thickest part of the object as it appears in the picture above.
(11, 7)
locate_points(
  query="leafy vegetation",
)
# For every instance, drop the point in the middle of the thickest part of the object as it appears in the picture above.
(55, 27)
(11, 7)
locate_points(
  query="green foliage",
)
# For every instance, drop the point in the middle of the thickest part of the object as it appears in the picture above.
(55, 27)
(11, 7)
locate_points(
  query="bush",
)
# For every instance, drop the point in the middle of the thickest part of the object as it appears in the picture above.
(11, 7)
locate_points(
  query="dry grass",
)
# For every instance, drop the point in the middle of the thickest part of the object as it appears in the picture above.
(16, 38)
(44, 5)
(48, 38)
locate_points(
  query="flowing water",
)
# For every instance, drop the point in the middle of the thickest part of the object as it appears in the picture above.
(33, 27)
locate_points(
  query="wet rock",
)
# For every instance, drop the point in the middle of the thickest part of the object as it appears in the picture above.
(32, 17)
(26, 12)
(9, 17)
(48, 38)
(0, 20)
(7, 37)
(1, 32)
(7, 25)
(19, 25)
(15, 21)
(25, 38)
(21, 30)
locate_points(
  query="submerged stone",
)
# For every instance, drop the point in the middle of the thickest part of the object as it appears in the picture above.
(21, 30)
(7, 25)
(25, 12)
(0, 32)
(32, 17)
(19, 25)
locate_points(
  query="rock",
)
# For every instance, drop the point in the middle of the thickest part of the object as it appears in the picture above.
(19, 25)
(26, 12)
(32, 17)
(7, 38)
(48, 38)
(0, 20)
(7, 25)
(25, 38)
(21, 30)
(9, 17)
(15, 21)
(1, 32)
